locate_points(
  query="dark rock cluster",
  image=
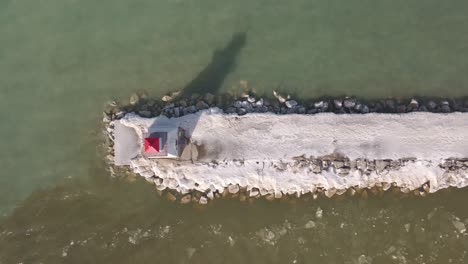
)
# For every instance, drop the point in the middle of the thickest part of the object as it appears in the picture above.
(176, 107)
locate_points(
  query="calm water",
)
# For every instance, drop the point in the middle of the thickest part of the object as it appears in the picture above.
(60, 61)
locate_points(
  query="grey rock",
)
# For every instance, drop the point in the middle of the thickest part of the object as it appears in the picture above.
(361, 164)
(119, 114)
(291, 103)
(431, 105)
(344, 171)
(183, 103)
(134, 98)
(325, 107)
(146, 114)
(237, 104)
(445, 108)
(316, 167)
(338, 103)
(401, 109)
(301, 110)
(318, 104)
(349, 103)
(230, 110)
(106, 118)
(192, 109)
(413, 104)
(241, 111)
(186, 199)
(422, 108)
(259, 102)
(202, 105)
(263, 109)
(233, 188)
(203, 200)
(381, 165)
(338, 164)
(168, 106)
(245, 104)
(251, 99)
(312, 111)
(176, 111)
(390, 104)
(460, 226)
(365, 109)
(358, 107)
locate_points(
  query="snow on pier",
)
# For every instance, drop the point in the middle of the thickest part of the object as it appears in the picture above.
(279, 153)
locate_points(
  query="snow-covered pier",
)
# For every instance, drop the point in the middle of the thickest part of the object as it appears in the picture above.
(266, 154)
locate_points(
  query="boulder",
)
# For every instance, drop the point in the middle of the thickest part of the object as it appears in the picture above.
(166, 98)
(230, 110)
(291, 103)
(301, 110)
(183, 103)
(338, 103)
(445, 108)
(381, 165)
(401, 109)
(241, 111)
(270, 197)
(358, 107)
(361, 164)
(233, 188)
(309, 225)
(460, 226)
(171, 197)
(146, 114)
(338, 164)
(237, 104)
(186, 199)
(203, 200)
(365, 109)
(422, 108)
(431, 105)
(134, 98)
(254, 192)
(251, 99)
(319, 104)
(176, 112)
(390, 105)
(349, 103)
(202, 105)
(259, 102)
(119, 114)
(192, 109)
(413, 104)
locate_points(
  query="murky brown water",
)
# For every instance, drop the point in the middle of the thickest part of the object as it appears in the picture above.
(60, 61)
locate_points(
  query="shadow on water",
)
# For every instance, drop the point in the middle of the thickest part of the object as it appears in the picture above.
(211, 78)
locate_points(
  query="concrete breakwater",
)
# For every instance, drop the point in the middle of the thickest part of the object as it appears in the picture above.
(267, 154)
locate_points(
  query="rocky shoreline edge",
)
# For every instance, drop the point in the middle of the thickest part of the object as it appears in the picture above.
(173, 106)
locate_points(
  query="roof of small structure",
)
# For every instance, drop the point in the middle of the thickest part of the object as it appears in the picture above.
(152, 144)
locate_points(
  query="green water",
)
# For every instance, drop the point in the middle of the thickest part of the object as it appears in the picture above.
(60, 61)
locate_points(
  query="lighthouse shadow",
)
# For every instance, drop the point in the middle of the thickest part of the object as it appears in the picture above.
(209, 80)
